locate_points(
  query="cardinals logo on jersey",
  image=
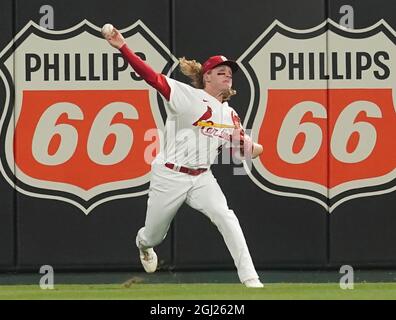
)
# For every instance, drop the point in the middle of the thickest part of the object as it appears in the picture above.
(206, 116)
(75, 129)
(322, 105)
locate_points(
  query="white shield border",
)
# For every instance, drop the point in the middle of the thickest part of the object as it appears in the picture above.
(10, 95)
(323, 199)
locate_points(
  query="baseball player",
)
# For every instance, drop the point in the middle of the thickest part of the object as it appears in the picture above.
(202, 123)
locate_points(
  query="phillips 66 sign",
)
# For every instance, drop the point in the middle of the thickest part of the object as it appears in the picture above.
(74, 120)
(322, 106)
(75, 117)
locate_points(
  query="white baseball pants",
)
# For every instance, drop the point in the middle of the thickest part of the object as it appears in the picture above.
(169, 189)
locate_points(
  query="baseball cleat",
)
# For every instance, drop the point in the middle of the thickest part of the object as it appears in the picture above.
(253, 283)
(149, 260)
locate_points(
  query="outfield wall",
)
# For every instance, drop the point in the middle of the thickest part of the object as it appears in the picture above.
(315, 200)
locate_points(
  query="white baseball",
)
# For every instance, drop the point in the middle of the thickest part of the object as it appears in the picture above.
(107, 30)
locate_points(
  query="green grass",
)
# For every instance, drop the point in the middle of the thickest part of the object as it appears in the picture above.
(137, 291)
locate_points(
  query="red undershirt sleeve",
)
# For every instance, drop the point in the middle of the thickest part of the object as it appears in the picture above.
(156, 80)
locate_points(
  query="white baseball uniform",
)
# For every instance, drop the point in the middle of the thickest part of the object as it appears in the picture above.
(196, 128)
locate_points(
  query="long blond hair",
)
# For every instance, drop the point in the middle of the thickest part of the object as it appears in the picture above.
(193, 70)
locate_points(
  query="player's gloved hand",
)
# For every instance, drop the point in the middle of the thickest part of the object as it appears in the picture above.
(115, 39)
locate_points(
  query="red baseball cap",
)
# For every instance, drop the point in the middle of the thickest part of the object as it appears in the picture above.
(215, 61)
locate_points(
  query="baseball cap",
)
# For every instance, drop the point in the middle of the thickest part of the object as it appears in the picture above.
(215, 61)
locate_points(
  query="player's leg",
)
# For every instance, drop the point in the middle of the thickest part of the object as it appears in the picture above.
(167, 193)
(207, 197)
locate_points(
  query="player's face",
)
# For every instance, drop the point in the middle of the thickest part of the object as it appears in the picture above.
(220, 77)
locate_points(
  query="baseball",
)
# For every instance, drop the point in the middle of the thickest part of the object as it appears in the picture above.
(107, 30)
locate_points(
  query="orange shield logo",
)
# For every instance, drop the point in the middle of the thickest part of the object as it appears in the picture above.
(323, 111)
(82, 126)
(89, 139)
